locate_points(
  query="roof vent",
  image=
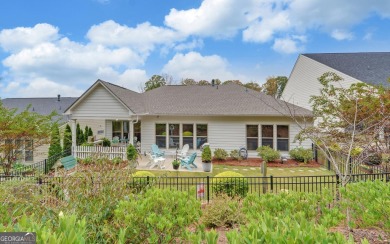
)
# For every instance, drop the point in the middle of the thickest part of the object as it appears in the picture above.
(212, 82)
(58, 97)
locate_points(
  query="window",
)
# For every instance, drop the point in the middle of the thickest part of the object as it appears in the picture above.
(116, 129)
(161, 134)
(188, 135)
(174, 136)
(267, 135)
(201, 135)
(252, 137)
(120, 129)
(137, 132)
(29, 155)
(282, 137)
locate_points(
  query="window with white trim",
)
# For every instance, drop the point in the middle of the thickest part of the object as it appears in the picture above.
(252, 137)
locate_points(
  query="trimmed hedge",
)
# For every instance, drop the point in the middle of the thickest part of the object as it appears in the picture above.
(230, 183)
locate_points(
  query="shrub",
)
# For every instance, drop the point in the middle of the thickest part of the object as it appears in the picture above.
(230, 183)
(141, 183)
(206, 154)
(300, 154)
(223, 211)
(87, 144)
(220, 154)
(374, 159)
(187, 133)
(158, 216)
(117, 160)
(268, 154)
(131, 153)
(235, 155)
(87, 160)
(106, 142)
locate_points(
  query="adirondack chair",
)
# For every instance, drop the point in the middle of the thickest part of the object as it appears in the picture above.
(188, 162)
(157, 152)
(183, 152)
(155, 161)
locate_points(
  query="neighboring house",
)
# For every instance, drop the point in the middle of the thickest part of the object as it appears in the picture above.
(369, 67)
(226, 116)
(43, 106)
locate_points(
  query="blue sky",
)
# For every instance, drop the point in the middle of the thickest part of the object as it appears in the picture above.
(51, 47)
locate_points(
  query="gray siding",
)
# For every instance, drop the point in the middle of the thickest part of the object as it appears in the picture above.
(100, 103)
(303, 82)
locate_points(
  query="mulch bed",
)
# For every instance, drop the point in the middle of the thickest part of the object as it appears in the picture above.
(256, 162)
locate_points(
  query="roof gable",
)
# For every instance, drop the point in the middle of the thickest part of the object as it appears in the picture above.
(370, 67)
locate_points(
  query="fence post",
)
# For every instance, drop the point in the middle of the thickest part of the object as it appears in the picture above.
(208, 188)
(272, 183)
(328, 161)
(46, 169)
(315, 153)
(147, 180)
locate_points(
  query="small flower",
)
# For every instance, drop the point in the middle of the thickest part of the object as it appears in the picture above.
(61, 215)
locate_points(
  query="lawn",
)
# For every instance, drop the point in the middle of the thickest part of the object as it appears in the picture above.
(247, 171)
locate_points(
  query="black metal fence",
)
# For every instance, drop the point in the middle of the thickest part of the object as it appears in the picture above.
(38, 168)
(205, 188)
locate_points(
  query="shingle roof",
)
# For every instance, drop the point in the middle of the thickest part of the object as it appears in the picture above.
(228, 99)
(370, 67)
(42, 106)
(196, 100)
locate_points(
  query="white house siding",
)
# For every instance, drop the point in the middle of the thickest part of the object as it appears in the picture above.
(97, 125)
(303, 81)
(100, 103)
(41, 153)
(225, 132)
(108, 131)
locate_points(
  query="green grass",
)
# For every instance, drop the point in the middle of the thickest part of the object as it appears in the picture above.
(247, 171)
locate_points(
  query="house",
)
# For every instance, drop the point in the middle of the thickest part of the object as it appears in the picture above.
(43, 106)
(226, 116)
(370, 67)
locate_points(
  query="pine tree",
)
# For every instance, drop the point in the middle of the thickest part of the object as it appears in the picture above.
(67, 139)
(79, 135)
(55, 149)
(86, 130)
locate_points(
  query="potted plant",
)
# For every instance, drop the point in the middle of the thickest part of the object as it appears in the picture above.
(206, 159)
(176, 164)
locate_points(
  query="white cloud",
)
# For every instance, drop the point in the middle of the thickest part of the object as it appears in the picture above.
(286, 45)
(341, 35)
(14, 40)
(41, 87)
(194, 65)
(217, 18)
(144, 37)
(195, 43)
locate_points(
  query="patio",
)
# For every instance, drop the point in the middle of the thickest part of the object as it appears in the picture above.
(167, 164)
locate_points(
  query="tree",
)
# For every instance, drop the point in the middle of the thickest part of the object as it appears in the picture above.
(253, 85)
(55, 149)
(86, 131)
(79, 135)
(90, 133)
(189, 82)
(232, 81)
(154, 82)
(350, 123)
(274, 86)
(204, 83)
(26, 126)
(67, 139)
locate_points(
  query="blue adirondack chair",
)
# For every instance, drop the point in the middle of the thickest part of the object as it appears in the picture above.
(157, 152)
(189, 161)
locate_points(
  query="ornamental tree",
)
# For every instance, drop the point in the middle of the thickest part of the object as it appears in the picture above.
(16, 126)
(351, 123)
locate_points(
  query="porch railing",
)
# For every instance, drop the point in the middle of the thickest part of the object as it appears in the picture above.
(107, 152)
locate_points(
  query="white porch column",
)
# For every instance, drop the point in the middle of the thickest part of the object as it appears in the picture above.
(73, 122)
(131, 132)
